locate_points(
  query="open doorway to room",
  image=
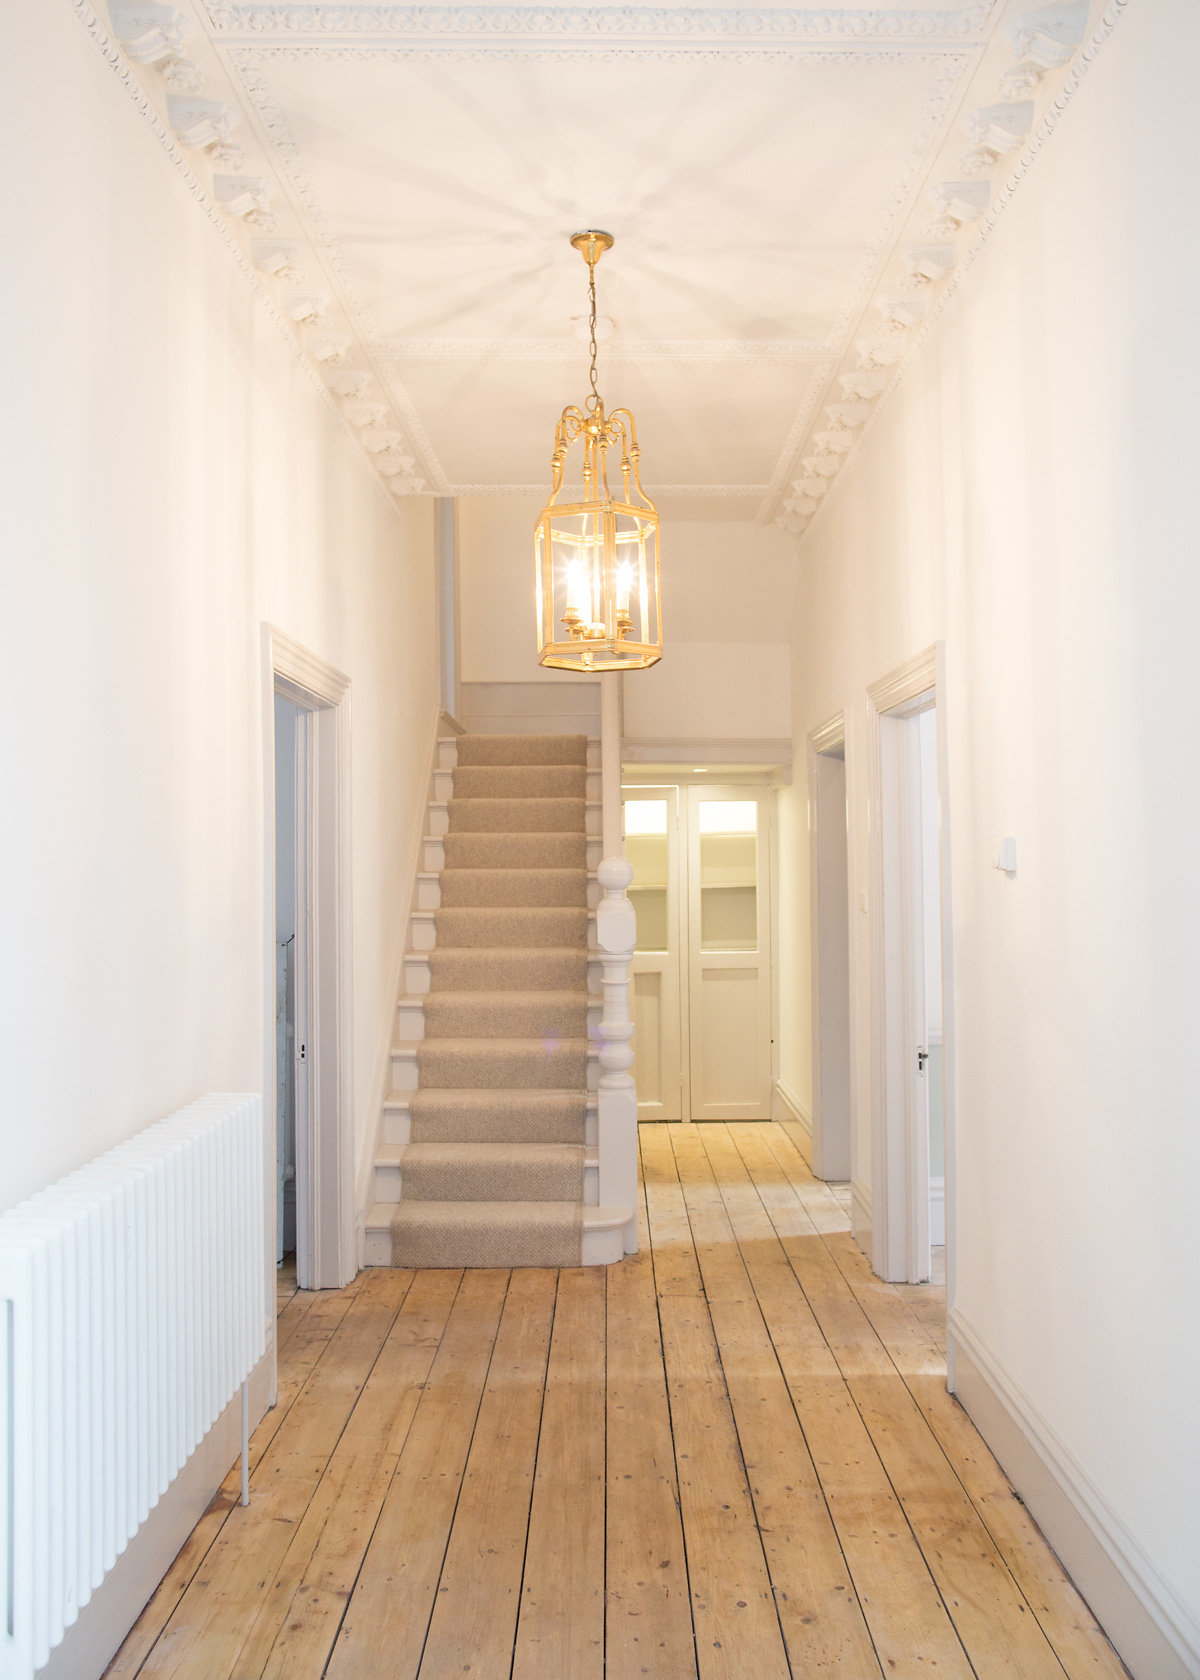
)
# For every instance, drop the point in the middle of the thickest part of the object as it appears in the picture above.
(310, 1172)
(909, 944)
(701, 975)
(830, 944)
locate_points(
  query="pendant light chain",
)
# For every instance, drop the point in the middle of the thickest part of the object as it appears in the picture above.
(594, 400)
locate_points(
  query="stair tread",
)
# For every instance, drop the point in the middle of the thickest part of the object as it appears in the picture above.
(381, 1214)
(403, 1046)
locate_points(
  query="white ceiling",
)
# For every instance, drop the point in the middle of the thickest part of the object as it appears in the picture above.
(764, 173)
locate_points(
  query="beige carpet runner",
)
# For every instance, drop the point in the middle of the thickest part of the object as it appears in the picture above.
(493, 1175)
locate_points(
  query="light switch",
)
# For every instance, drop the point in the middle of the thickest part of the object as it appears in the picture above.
(1005, 855)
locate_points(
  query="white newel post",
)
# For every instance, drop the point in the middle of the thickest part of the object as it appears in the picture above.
(616, 1115)
(616, 936)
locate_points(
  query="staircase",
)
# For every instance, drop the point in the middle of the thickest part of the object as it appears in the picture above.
(489, 1152)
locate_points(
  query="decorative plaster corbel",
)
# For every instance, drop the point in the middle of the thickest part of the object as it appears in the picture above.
(200, 122)
(349, 382)
(848, 413)
(279, 258)
(392, 461)
(839, 439)
(379, 438)
(804, 506)
(824, 464)
(1001, 127)
(362, 413)
(306, 306)
(964, 200)
(903, 308)
(328, 347)
(978, 161)
(242, 195)
(864, 382)
(1050, 35)
(928, 262)
(811, 486)
(406, 485)
(880, 352)
(147, 32)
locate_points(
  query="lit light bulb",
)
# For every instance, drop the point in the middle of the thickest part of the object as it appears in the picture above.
(624, 585)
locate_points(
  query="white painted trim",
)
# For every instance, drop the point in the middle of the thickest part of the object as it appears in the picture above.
(305, 678)
(830, 735)
(862, 1219)
(1156, 1634)
(906, 683)
(381, 1079)
(795, 1108)
(93, 1639)
(827, 741)
(701, 749)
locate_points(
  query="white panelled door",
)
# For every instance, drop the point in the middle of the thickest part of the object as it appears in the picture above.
(729, 967)
(701, 976)
(652, 847)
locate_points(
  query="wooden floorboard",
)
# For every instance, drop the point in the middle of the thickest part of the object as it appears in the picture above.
(731, 1457)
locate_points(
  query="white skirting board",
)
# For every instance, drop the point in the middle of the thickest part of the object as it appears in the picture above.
(1156, 1635)
(94, 1639)
(787, 1100)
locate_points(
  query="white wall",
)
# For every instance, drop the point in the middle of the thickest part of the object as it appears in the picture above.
(1029, 496)
(727, 593)
(170, 479)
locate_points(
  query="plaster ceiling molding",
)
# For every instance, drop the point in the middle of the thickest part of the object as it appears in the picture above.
(902, 309)
(331, 348)
(838, 439)
(280, 258)
(359, 412)
(880, 352)
(305, 307)
(811, 485)
(1019, 80)
(804, 506)
(182, 75)
(404, 485)
(965, 201)
(707, 26)
(247, 196)
(824, 464)
(1000, 128)
(1051, 35)
(148, 33)
(395, 461)
(379, 439)
(349, 382)
(978, 161)
(848, 413)
(926, 263)
(200, 123)
(863, 382)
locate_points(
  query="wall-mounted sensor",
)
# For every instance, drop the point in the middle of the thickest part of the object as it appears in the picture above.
(1005, 855)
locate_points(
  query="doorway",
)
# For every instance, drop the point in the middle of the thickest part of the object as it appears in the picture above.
(830, 947)
(701, 973)
(310, 1170)
(908, 948)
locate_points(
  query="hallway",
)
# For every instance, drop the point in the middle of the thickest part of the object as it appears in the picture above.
(765, 1477)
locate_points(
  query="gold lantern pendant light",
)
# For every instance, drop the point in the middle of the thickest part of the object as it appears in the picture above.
(597, 557)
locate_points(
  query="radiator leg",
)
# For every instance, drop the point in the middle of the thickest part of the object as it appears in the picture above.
(245, 1443)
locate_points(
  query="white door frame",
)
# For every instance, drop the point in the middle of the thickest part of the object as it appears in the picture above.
(830, 1157)
(323, 693)
(899, 1122)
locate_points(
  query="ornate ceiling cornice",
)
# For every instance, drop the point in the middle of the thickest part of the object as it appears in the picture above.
(608, 24)
(770, 352)
(1044, 42)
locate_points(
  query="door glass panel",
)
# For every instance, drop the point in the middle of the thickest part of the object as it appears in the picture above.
(646, 850)
(728, 874)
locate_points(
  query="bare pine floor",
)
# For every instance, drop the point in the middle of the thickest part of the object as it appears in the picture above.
(730, 1458)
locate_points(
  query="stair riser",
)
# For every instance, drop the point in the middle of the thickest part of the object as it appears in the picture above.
(518, 781)
(439, 822)
(476, 928)
(569, 1022)
(389, 1177)
(515, 749)
(398, 1126)
(418, 975)
(466, 1069)
(516, 889)
(542, 1075)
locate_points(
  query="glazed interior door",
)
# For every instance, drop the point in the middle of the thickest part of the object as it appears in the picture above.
(729, 967)
(651, 818)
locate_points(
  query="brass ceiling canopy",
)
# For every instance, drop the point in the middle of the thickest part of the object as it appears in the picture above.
(597, 557)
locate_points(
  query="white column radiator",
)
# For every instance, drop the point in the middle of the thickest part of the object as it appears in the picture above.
(133, 1305)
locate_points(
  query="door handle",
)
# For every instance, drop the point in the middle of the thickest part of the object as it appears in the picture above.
(922, 1058)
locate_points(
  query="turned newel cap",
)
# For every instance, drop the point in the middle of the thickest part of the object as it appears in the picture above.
(614, 874)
